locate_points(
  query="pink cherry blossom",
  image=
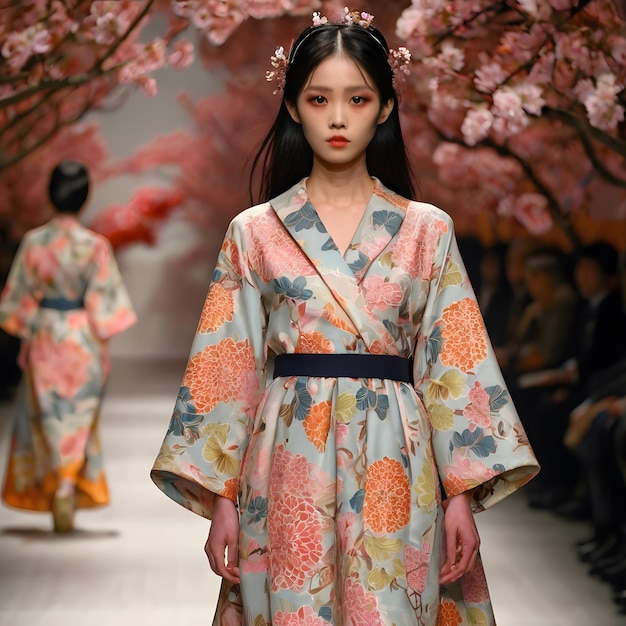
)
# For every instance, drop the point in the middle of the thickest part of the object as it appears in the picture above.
(476, 125)
(181, 55)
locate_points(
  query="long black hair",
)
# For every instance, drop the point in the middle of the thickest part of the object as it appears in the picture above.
(69, 187)
(285, 156)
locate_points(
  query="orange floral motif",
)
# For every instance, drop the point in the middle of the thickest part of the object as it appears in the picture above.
(218, 309)
(210, 382)
(317, 423)
(314, 343)
(448, 614)
(230, 489)
(465, 338)
(387, 503)
(335, 320)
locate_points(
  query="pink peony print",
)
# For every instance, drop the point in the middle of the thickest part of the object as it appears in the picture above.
(290, 473)
(474, 584)
(72, 445)
(478, 411)
(414, 254)
(416, 565)
(360, 607)
(43, 261)
(272, 251)
(62, 367)
(381, 294)
(463, 474)
(295, 541)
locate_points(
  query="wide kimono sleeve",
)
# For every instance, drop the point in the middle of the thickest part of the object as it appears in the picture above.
(106, 298)
(477, 437)
(209, 430)
(18, 303)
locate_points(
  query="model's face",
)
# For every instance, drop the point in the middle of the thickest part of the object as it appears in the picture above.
(339, 110)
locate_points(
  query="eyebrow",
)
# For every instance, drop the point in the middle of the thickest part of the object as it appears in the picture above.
(322, 88)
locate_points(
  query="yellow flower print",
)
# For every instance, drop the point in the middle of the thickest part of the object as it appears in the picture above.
(215, 450)
(345, 407)
(441, 416)
(425, 487)
(451, 384)
(451, 276)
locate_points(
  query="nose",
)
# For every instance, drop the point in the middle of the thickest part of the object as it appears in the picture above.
(337, 116)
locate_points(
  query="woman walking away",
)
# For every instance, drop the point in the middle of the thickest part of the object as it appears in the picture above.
(64, 298)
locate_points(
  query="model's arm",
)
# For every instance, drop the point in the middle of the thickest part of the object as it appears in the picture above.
(221, 545)
(461, 537)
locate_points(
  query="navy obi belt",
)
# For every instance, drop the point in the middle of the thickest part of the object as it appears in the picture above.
(383, 366)
(62, 304)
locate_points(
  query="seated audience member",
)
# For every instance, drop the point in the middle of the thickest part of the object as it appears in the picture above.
(547, 398)
(543, 337)
(495, 296)
(515, 258)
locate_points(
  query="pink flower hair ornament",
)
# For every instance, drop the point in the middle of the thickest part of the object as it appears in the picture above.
(399, 59)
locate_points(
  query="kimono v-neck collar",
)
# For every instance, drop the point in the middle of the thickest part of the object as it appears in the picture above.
(383, 215)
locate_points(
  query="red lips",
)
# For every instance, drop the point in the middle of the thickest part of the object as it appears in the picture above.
(338, 141)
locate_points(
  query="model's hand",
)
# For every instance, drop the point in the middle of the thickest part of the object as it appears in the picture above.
(221, 546)
(462, 540)
(23, 357)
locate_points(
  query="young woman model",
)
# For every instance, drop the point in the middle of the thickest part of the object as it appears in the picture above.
(64, 298)
(342, 413)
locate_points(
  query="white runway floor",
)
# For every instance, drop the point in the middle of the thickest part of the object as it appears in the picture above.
(140, 561)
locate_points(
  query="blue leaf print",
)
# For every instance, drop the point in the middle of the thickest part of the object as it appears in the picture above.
(484, 447)
(295, 290)
(466, 439)
(382, 406)
(498, 397)
(258, 509)
(498, 467)
(61, 408)
(359, 263)
(389, 219)
(326, 613)
(217, 274)
(302, 400)
(185, 421)
(329, 244)
(356, 502)
(305, 218)
(362, 401)
(393, 328)
(434, 344)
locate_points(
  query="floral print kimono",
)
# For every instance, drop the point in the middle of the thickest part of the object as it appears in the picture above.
(340, 481)
(55, 434)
